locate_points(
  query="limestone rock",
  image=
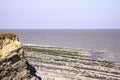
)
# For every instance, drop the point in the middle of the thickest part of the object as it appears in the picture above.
(9, 46)
(13, 65)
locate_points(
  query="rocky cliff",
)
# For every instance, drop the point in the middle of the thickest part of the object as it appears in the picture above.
(13, 65)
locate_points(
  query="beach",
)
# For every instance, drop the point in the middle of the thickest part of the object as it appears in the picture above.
(53, 63)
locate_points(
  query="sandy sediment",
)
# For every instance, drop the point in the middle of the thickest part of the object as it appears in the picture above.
(62, 64)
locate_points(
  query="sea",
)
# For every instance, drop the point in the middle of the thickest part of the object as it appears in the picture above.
(104, 42)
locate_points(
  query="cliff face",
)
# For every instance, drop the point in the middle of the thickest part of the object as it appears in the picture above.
(13, 65)
(9, 46)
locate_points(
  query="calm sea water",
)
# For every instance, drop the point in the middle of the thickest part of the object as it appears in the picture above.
(105, 41)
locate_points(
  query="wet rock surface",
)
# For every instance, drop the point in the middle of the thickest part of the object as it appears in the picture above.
(69, 67)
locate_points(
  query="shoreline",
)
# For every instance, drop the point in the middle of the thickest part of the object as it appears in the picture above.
(38, 45)
(92, 54)
(53, 64)
(63, 48)
(88, 54)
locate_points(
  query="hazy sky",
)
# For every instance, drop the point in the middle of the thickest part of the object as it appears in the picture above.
(49, 14)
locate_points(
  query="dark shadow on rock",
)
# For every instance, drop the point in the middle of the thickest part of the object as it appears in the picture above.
(32, 70)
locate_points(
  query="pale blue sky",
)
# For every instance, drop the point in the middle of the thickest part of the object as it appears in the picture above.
(60, 14)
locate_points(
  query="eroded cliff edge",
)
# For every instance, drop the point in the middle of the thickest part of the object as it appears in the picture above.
(13, 65)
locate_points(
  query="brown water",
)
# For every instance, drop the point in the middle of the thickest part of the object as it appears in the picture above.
(104, 42)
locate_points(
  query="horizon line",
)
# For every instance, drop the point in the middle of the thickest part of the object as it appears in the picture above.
(56, 28)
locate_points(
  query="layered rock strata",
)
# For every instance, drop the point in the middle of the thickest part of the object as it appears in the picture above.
(13, 65)
(52, 64)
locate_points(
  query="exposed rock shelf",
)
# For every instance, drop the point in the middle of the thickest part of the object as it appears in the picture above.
(51, 66)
